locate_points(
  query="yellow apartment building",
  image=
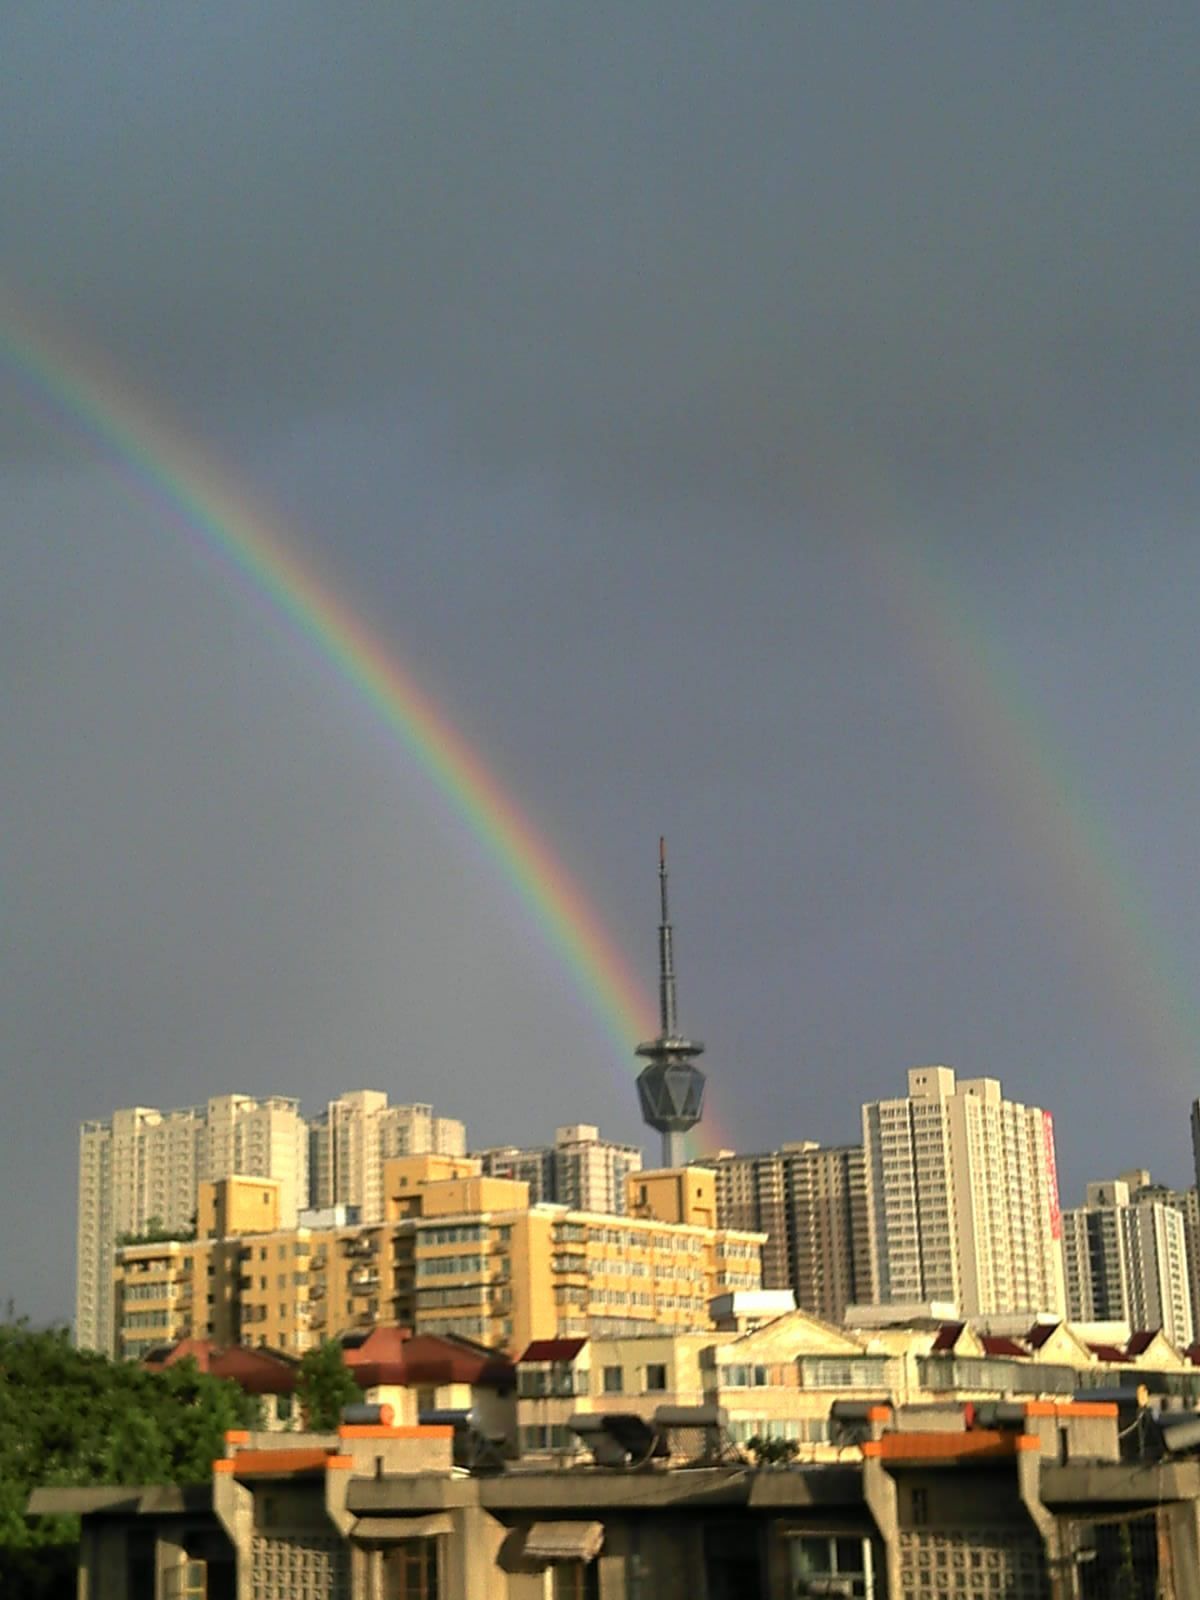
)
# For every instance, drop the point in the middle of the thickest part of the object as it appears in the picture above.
(457, 1252)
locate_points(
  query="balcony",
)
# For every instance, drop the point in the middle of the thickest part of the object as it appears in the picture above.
(569, 1267)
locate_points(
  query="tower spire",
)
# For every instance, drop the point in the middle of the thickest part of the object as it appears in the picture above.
(666, 953)
(670, 1085)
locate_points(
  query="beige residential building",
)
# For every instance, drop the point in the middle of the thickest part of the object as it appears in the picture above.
(780, 1379)
(811, 1202)
(357, 1133)
(457, 1252)
(178, 1288)
(962, 1198)
(140, 1171)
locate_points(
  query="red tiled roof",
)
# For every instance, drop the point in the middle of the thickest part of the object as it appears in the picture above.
(1107, 1352)
(997, 1345)
(394, 1355)
(1141, 1341)
(948, 1336)
(553, 1350)
(1040, 1332)
(256, 1371)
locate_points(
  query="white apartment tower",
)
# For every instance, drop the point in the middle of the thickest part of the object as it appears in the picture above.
(580, 1169)
(962, 1198)
(590, 1172)
(1126, 1260)
(357, 1133)
(1187, 1203)
(141, 1169)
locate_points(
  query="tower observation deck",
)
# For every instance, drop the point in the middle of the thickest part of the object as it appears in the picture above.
(670, 1085)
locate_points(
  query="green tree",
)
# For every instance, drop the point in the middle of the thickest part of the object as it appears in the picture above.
(157, 1232)
(767, 1452)
(323, 1386)
(71, 1417)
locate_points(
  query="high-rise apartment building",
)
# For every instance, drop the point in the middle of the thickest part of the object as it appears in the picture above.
(580, 1169)
(1125, 1256)
(829, 1241)
(962, 1197)
(533, 1167)
(810, 1201)
(357, 1133)
(750, 1194)
(457, 1252)
(1187, 1203)
(140, 1171)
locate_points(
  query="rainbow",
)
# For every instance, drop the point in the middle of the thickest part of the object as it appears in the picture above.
(1073, 860)
(76, 389)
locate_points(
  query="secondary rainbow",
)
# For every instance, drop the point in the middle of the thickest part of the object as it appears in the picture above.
(76, 387)
(1072, 857)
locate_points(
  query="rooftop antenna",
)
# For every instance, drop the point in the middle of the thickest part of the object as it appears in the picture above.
(670, 1086)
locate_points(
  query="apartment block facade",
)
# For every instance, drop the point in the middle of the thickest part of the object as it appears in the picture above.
(1187, 1203)
(810, 1200)
(141, 1170)
(356, 1133)
(962, 1198)
(580, 1169)
(1126, 1260)
(457, 1252)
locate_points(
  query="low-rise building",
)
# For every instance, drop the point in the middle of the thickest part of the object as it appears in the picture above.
(776, 1381)
(1031, 1501)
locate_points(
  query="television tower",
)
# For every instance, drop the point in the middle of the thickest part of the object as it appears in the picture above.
(671, 1085)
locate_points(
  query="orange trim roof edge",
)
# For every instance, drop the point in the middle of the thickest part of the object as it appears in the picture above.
(979, 1442)
(379, 1430)
(1070, 1408)
(281, 1463)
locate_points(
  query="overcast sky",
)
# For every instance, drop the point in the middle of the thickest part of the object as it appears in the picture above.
(770, 425)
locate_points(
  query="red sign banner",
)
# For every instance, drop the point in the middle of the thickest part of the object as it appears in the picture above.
(1052, 1177)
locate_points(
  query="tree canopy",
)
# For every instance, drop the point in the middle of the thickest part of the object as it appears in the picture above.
(324, 1385)
(70, 1417)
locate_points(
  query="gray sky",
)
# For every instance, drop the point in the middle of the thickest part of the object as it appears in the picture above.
(770, 425)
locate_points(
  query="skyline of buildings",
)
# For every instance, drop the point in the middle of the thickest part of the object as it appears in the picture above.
(141, 1170)
(950, 1200)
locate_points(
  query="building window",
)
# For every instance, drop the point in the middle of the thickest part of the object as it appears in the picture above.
(411, 1570)
(575, 1580)
(614, 1380)
(824, 1556)
(656, 1376)
(188, 1582)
